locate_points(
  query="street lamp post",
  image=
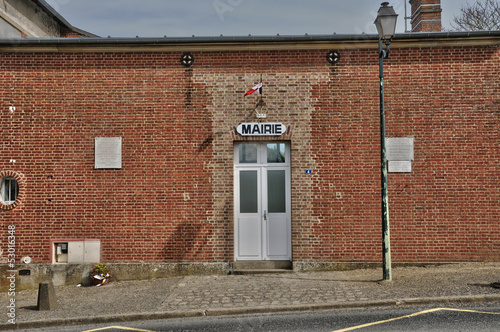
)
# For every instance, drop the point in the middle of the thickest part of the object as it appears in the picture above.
(386, 27)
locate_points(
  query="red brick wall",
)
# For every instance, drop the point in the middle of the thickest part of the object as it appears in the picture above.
(151, 210)
(172, 201)
(447, 209)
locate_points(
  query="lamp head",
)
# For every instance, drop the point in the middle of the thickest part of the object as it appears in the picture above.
(386, 21)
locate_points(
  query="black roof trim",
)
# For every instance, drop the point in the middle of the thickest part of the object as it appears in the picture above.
(241, 39)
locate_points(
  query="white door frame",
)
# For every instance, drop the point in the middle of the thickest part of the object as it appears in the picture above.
(261, 235)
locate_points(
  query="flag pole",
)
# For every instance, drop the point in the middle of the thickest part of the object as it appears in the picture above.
(261, 90)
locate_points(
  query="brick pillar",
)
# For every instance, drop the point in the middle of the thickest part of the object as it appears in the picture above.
(425, 15)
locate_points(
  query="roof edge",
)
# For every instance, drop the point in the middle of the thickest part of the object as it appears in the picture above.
(246, 42)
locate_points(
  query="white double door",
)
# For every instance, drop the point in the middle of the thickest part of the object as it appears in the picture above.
(262, 201)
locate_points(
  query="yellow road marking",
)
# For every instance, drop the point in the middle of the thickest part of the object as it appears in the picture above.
(118, 327)
(413, 315)
(473, 311)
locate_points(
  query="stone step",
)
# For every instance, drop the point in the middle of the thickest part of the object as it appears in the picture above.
(262, 267)
(261, 271)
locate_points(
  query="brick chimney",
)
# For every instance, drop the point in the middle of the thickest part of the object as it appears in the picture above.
(425, 15)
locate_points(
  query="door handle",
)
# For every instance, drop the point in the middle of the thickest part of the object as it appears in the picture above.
(265, 215)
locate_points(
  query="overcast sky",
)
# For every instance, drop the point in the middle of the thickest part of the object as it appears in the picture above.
(174, 18)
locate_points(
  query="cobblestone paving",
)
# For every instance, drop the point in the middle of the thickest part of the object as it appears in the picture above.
(258, 290)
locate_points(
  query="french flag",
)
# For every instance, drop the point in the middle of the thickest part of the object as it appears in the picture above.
(257, 88)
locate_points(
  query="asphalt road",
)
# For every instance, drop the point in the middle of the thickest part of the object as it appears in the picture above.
(479, 317)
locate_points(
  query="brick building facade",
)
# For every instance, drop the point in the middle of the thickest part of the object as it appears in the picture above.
(183, 168)
(35, 19)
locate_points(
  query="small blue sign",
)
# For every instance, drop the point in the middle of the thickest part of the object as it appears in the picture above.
(309, 171)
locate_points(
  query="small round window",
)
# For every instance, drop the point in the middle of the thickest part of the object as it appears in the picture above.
(9, 190)
(12, 189)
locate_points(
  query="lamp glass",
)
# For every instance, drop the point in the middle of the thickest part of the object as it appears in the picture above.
(386, 21)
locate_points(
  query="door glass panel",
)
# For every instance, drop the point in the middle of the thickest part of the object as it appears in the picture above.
(276, 191)
(248, 153)
(276, 152)
(248, 192)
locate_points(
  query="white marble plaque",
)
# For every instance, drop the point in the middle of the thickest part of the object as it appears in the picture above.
(399, 149)
(399, 166)
(108, 152)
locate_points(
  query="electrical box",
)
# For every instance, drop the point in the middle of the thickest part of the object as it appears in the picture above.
(76, 252)
(61, 252)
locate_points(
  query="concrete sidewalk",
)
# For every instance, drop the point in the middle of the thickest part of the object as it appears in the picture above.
(240, 294)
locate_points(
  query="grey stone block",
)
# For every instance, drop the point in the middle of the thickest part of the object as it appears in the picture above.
(46, 296)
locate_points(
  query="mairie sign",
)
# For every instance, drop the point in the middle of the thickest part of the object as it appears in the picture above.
(261, 129)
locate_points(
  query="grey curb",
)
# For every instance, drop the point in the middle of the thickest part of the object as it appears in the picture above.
(247, 311)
